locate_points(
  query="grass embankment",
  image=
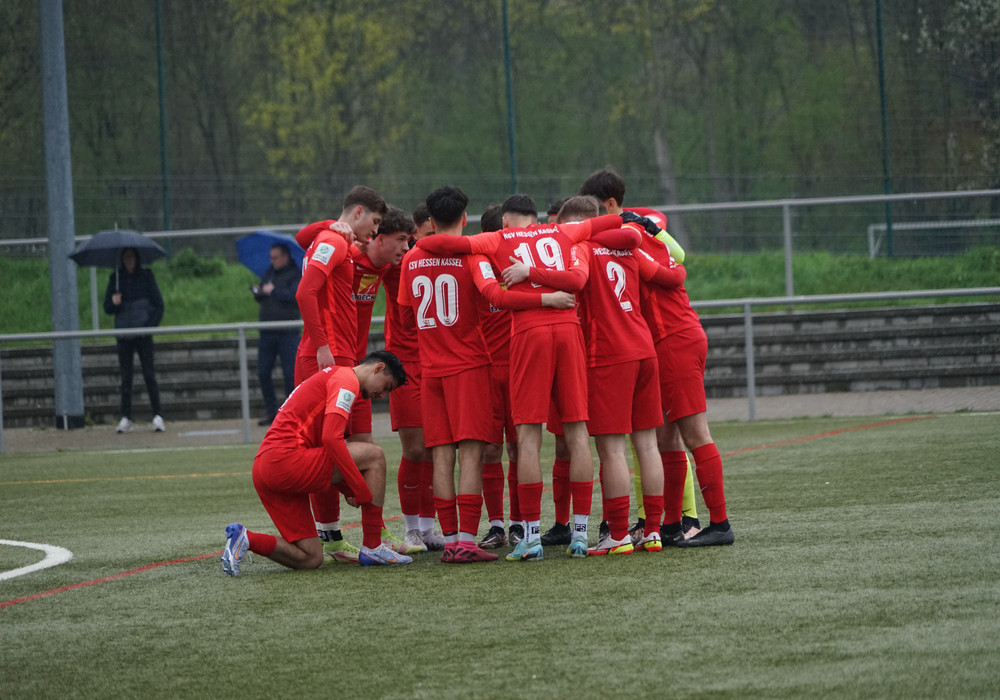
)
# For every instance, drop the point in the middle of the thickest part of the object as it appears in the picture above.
(208, 291)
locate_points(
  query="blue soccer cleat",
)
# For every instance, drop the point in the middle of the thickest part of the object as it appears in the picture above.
(237, 545)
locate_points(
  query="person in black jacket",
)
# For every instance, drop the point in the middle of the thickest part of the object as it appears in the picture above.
(135, 300)
(276, 295)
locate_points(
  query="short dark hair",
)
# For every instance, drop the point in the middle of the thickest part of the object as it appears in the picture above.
(492, 219)
(420, 214)
(283, 248)
(604, 184)
(392, 364)
(396, 220)
(586, 207)
(447, 204)
(554, 206)
(366, 197)
(519, 204)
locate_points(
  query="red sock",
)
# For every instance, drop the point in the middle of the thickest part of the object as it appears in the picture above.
(262, 544)
(531, 501)
(654, 512)
(326, 505)
(371, 525)
(560, 489)
(409, 481)
(515, 498)
(617, 512)
(604, 499)
(493, 490)
(674, 476)
(583, 496)
(447, 510)
(427, 490)
(470, 510)
(708, 468)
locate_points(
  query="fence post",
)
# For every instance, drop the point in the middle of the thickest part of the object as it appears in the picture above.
(1, 414)
(244, 385)
(786, 224)
(751, 372)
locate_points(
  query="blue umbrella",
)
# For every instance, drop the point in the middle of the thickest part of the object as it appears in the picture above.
(254, 250)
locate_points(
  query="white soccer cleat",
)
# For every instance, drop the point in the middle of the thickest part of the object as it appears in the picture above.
(381, 556)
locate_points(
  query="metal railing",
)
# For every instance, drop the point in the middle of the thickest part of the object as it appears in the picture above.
(745, 304)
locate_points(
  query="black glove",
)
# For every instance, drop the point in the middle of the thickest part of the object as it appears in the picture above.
(630, 217)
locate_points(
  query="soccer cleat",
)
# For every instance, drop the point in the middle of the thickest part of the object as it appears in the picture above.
(236, 547)
(340, 552)
(557, 534)
(577, 547)
(383, 555)
(158, 425)
(515, 534)
(398, 545)
(526, 552)
(496, 537)
(637, 531)
(670, 538)
(124, 425)
(413, 540)
(711, 536)
(607, 545)
(433, 540)
(466, 553)
(649, 543)
(690, 525)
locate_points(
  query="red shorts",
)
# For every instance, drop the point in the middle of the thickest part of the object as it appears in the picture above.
(624, 398)
(682, 373)
(404, 402)
(500, 375)
(548, 363)
(306, 365)
(459, 407)
(284, 478)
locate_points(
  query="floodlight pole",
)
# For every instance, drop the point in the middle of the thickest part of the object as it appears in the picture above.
(67, 365)
(886, 170)
(164, 170)
(511, 138)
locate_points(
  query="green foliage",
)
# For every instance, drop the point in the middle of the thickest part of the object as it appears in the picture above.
(808, 609)
(188, 264)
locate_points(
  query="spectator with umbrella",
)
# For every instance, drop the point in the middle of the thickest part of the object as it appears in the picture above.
(134, 299)
(270, 255)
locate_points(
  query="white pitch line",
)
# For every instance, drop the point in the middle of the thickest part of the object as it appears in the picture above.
(54, 556)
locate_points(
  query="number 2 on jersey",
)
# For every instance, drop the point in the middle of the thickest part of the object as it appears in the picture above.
(616, 274)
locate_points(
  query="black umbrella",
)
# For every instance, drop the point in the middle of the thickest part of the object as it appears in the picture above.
(104, 249)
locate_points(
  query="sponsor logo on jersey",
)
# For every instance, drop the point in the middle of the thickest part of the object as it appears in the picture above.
(486, 270)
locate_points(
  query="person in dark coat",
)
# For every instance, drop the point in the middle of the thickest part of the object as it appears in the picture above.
(134, 299)
(276, 295)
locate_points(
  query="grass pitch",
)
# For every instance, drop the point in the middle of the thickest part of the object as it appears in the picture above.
(865, 565)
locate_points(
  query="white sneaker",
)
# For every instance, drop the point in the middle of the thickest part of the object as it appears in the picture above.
(414, 541)
(158, 425)
(381, 556)
(124, 425)
(433, 540)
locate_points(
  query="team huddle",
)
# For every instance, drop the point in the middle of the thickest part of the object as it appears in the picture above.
(580, 325)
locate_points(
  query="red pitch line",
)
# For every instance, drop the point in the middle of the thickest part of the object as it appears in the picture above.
(828, 434)
(123, 574)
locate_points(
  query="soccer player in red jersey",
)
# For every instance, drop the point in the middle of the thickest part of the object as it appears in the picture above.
(330, 321)
(415, 475)
(681, 347)
(305, 451)
(496, 326)
(441, 290)
(329, 314)
(540, 337)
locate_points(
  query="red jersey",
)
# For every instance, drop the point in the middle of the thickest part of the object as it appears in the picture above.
(400, 327)
(667, 310)
(496, 329)
(325, 297)
(300, 421)
(658, 217)
(546, 246)
(443, 295)
(367, 279)
(613, 327)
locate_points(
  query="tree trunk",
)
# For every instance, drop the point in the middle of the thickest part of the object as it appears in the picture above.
(668, 182)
